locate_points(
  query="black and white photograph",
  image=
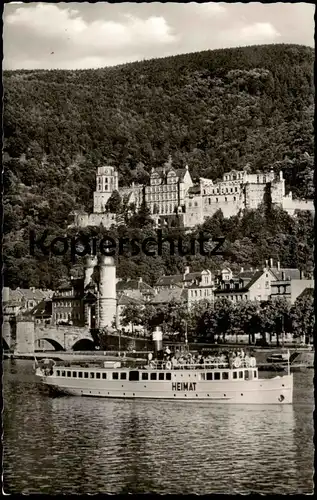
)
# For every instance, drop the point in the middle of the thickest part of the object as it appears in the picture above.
(158, 327)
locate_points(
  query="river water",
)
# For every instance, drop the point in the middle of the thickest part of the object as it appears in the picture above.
(91, 445)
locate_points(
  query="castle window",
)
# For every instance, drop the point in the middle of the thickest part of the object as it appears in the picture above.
(226, 198)
(231, 190)
(234, 198)
(196, 204)
(217, 200)
(236, 189)
(209, 201)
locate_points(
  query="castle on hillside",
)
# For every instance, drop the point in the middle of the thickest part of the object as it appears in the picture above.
(174, 199)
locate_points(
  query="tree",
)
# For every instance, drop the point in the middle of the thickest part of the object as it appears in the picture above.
(303, 317)
(144, 215)
(131, 314)
(224, 315)
(114, 204)
(247, 319)
(275, 316)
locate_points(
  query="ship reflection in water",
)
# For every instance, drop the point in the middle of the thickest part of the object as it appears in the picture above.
(83, 445)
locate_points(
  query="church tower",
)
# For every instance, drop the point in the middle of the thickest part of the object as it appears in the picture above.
(106, 183)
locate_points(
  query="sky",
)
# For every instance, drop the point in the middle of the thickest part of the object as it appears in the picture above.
(73, 35)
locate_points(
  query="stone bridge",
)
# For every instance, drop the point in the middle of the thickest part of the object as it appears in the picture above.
(64, 337)
(23, 336)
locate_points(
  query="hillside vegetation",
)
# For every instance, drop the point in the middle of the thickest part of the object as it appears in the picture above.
(215, 110)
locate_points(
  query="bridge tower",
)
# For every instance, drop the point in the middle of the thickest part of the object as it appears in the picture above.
(107, 291)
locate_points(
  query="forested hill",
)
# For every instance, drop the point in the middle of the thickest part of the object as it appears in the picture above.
(215, 110)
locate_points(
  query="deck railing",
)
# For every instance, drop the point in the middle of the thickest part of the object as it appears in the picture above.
(163, 365)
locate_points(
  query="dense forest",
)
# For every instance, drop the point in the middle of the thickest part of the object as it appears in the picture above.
(215, 110)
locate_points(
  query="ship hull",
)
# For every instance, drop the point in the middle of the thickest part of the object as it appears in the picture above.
(277, 390)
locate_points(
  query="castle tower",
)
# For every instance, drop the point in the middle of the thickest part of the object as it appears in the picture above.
(106, 183)
(107, 291)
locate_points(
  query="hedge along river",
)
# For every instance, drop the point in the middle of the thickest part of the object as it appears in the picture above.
(88, 445)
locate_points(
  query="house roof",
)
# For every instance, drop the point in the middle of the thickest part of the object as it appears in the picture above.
(192, 276)
(247, 282)
(255, 278)
(173, 279)
(44, 308)
(28, 294)
(246, 274)
(133, 285)
(163, 171)
(289, 274)
(166, 296)
(125, 300)
(194, 189)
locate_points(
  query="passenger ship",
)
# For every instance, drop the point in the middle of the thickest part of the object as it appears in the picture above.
(216, 382)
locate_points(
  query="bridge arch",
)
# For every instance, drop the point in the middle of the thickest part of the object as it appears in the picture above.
(84, 344)
(57, 346)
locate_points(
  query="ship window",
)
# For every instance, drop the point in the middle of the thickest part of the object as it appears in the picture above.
(202, 376)
(225, 375)
(104, 375)
(123, 376)
(161, 376)
(217, 376)
(85, 374)
(145, 376)
(134, 375)
(69, 374)
(168, 376)
(209, 376)
(240, 374)
(97, 375)
(235, 374)
(80, 374)
(75, 374)
(254, 373)
(63, 374)
(58, 373)
(115, 376)
(153, 376)
(92, 375)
